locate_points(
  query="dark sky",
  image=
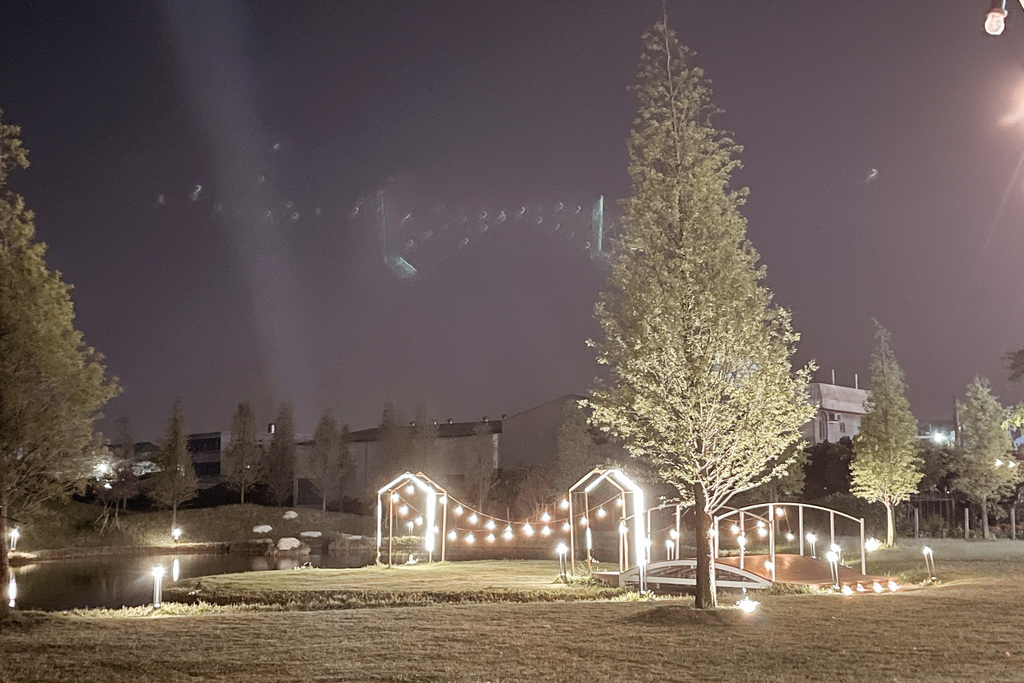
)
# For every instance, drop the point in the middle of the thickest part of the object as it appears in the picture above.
(264, 285)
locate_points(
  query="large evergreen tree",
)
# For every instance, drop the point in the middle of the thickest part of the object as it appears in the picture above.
(279, 459)
(52, 385)
(984, 465)
(244, 455)
(176, 482)
(701, 382)
(885, 466)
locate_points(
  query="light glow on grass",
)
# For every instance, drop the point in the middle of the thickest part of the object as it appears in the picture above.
(747, 605)
(872, 544)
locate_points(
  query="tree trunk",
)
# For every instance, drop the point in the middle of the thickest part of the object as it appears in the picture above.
(174, 516)
(985, 533)
(323, 501)
(5, 563)
(890, 524)
(706, 597)
(242, 491)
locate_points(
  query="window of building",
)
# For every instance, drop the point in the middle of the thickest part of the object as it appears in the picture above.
(842, 427)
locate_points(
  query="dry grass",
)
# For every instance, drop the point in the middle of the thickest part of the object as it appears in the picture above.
(965, 629)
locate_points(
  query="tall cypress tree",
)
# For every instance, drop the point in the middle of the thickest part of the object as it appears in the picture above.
(885, 466)
(176, 482)
(700, 383)
(984, 464)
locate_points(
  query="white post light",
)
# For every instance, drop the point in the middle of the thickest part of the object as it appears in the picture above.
(812, 539)
(833, 566)
(176, 533)
(15, 535)
(158, 578)
(995, 19)
(561, 549)
(929, 562)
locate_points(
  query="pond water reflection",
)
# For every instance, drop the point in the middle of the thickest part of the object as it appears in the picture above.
(128, 581)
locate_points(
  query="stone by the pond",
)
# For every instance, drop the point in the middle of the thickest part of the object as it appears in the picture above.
(262, 529)
(288, 543)
(291, 514)
(311, 534)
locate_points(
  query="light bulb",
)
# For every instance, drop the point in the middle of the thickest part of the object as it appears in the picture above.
(994, 21)
(452, 535)
(458, 510)
(546, 531)
(545, 517)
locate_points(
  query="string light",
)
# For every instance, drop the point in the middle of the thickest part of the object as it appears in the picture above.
(490, 525)
(735, 529)
(601, 512)
(490, 538)
(470, 538)
(545, 517)
(452, 535)
(673, 534)
(564, 503)
(762, 532)
(566, 526)
(419, 521)
(583, 520)
(780, 512)
(410, 489)
(527, 529)
(508, 533)
(473, 519)
(623, 529)
(395, 497)
(458, 511)
(404, 510)
(546, 531)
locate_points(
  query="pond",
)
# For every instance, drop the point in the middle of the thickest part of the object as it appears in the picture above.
(115, 582)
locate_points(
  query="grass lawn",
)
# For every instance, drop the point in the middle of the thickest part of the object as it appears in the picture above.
(968, 627)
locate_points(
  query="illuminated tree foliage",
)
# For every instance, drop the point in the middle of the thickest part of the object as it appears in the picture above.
(279, 459)
(52, 385)
(701, 384)
(984, 465)
(244, 455)
(176, 482)
(329, 462)
(885, 466)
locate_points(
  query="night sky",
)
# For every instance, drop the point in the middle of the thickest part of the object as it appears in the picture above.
(197, 171)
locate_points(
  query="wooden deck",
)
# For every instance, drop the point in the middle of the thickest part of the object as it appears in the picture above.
(800, 569)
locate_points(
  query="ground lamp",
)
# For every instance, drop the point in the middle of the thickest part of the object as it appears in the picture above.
(15, 535)
(746, 604)
(812, 539)
(929, 562)
(562, 549)
(176, 533)
(833, 566)
(158, 579)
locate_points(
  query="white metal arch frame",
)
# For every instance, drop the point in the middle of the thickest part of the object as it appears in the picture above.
(433, 495)
(773, 513)
(627, 489)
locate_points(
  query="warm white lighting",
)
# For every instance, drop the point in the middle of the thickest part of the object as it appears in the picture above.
(490, 525)
(410, 526)
(564, 503)
(410, 489)
(175, 569)
(742, 541)
(780, 512)
(673, 534)
(418, 521)
(669, 543)
(872, 544)
(473, 519)
(566, 526)
(769, 565)
(546, 531)
(926, 550)
(760, 524)
(545, 517)
(790, 537)
(877, 587)
(847, 590)
(939, 437)
(490, 538)
(527, 529)
(404, 510)
(995, 20)
(508, 533)
(102, 469)
(158, 576)
(999, 462)
(470, 538)
(15, 535)
(458, 511)
(893, 586)
(442, 500)
(860, 588)
(831, 556)
(395, 497)
(747, 605)
(452, 535)
(811, 538)
(176, 533)
(735, 529)
(601, 512)
(561, 549)
(836, 549)
(762, 532)
(583, 521)
(623, 529)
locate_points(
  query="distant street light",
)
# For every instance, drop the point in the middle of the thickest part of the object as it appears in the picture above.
(995, 19)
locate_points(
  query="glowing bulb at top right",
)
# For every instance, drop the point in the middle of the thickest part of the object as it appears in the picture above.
(995, 21)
